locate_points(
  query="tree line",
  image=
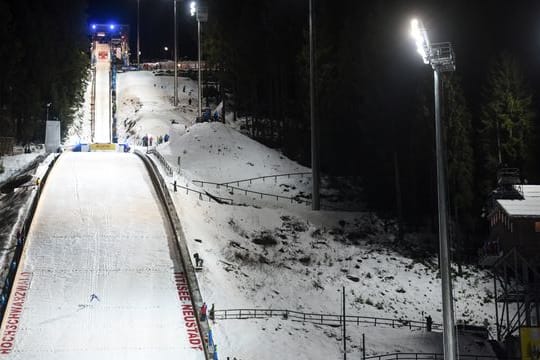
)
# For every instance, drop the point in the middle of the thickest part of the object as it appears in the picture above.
(375, 98)
(44, 52)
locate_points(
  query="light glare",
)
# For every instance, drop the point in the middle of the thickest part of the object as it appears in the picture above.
(418, 33)
(193, 8)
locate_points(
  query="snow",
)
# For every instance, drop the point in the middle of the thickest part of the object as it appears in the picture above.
(529, 206)
(314, 255)
(14, 163)
(95, 233)
(80, 131)
(142, 95)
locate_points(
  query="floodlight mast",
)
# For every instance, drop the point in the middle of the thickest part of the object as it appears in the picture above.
(202, 16)
(441, 58)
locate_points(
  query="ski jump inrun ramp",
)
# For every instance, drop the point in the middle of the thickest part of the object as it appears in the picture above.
(103, 131)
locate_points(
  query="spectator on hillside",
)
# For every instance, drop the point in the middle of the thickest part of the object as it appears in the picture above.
(429, 323)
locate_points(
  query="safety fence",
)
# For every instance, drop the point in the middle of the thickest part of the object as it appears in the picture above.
(164, 163)
(257, 193)
(321, 319)
(275, 177)
(175, 186)
(432, 356)
(202, 195)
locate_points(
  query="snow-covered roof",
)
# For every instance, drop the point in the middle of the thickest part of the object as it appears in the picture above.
(529, 206)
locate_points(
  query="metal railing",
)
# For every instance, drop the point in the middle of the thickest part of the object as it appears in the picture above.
(168, 168)
(202, 195)
(321, 319)
(432, 356)
(258, 193)
(250, 180)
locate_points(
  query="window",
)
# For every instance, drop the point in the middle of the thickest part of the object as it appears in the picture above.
(537, 226)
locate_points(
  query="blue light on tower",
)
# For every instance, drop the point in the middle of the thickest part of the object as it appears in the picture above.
(93, 26)
(111, 26)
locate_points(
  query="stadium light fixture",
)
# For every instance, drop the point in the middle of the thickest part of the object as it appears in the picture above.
(441, 58)
(193, 8)
(419, 34)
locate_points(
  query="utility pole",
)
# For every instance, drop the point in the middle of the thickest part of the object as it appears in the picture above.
(138, 35)
(199, 64)
(175, 59)
(315, 172)
(344, 327)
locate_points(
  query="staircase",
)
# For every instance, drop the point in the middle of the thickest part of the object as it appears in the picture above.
(517, 294)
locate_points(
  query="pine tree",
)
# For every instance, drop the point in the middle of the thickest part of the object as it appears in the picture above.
(506, 118)
(460, 157)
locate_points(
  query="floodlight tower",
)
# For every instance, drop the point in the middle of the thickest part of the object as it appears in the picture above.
(175, 59)
(138, 33)
(441, 58)
(202, 16)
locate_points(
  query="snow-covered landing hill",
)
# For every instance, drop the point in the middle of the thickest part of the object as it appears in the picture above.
(277, 255)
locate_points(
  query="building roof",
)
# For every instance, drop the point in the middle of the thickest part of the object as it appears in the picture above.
(528, 207)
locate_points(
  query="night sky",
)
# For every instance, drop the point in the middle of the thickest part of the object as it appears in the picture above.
(478, 30)
(156, 28)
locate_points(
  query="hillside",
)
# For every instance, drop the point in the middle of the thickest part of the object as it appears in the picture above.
(273, 254)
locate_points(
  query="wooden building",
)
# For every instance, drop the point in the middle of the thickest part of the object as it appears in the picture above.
(512, 250)
(515, 223)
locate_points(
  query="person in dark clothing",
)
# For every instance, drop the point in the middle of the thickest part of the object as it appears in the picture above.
(429, 323)
(203, 312)
(198, 260)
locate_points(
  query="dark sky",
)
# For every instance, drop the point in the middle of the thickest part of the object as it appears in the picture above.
(478, 29)
(156, 28)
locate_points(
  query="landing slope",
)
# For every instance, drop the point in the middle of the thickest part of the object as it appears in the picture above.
(98, 230)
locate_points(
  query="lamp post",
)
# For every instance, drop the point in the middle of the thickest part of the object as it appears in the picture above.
(175, 59)
(441, 58)
(202, 16)
(47, 115)
(315, 172)
(138, 38)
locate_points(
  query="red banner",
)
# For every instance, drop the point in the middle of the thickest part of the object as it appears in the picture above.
(188, 314)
